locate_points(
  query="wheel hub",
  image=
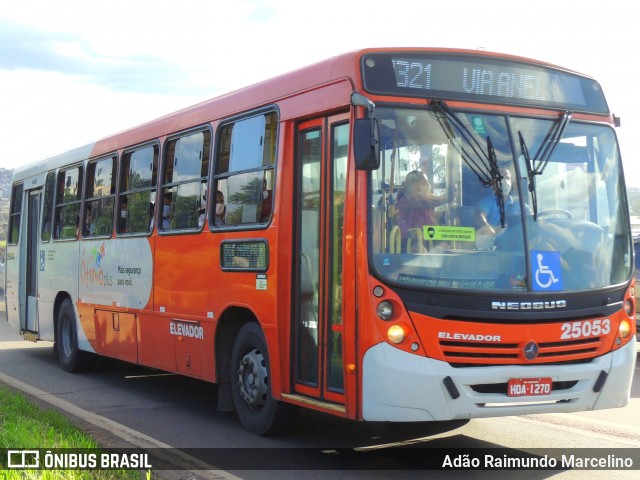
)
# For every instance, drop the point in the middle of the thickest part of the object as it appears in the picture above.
(253, 379)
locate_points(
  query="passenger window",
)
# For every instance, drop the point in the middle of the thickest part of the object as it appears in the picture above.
(68, 196)
(47, 224)
(98, 207)
(14, 215)
(138, 190)
(184, 184)
(244, 175)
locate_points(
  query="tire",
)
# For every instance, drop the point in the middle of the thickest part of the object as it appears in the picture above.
(71, 358)
(259, 413)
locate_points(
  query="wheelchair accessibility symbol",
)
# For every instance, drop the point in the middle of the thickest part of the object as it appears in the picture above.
(547, 271)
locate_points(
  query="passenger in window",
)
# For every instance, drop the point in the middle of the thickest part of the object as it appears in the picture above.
(221, 209)
(89, 227)
(58, 226)
(124, 215)
(166, 212)
(267, 202)
(152, 209)
(415, 204)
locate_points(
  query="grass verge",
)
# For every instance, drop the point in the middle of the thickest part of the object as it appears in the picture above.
(23, 425)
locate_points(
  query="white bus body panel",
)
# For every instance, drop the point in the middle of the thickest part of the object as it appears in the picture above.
(116, 272)
(401, 387)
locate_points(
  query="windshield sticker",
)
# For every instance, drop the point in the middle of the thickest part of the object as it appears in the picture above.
(546, 268)
(439, 232)
(463, 283)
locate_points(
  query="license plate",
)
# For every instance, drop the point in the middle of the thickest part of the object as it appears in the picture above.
(524, 387)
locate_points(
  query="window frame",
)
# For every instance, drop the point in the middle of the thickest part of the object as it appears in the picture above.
(62, 204)
(15, 217)
(48, 207)
(173, 186)
(266, 171)
(89, 200)
(153, 189)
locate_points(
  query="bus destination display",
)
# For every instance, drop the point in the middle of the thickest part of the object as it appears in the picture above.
(479, 79)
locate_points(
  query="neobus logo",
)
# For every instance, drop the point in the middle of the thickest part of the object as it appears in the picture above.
(497, 305)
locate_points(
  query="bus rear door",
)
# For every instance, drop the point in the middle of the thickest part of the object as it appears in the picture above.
(29, 321)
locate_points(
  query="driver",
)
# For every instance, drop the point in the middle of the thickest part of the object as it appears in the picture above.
(488, 210)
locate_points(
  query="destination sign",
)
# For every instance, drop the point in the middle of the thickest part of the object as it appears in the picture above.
(480, 78)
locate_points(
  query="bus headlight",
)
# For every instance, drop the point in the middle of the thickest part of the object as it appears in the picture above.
(395, 334)
(385, 310)
(624, 330)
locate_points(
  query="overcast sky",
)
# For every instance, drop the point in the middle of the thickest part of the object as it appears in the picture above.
(74, 71)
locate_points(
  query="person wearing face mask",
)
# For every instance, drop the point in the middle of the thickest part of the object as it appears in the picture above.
(124, 215)
(166, 212)
(488, 212)
(220, 209)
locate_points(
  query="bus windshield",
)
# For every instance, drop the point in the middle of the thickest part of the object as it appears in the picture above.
(490, 202)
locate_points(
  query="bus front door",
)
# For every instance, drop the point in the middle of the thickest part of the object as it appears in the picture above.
(318, 320)
(29, 322)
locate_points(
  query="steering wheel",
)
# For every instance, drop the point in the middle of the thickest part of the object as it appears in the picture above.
(558, 211)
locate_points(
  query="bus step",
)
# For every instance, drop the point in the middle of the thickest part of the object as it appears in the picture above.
(30, 336)
(313, 401)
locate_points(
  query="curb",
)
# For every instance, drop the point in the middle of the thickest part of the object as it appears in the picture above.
(110, 434)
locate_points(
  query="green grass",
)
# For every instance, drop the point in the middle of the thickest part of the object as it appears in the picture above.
(23, 425)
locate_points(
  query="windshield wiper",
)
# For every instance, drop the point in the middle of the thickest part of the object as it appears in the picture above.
(543, 155)
(531, 173)
(484, 163)
(479, 163)
(551, 142)
(497, 178)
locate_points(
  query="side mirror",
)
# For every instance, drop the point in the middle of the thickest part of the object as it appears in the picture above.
(366, 144)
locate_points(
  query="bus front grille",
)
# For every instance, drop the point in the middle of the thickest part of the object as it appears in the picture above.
(509, 353)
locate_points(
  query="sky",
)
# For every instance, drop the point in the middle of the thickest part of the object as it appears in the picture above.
(75, 71)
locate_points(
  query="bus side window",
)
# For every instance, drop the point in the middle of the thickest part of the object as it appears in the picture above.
(186, 169)
(68, 196)
(98, 211)
(244, 173)
(47, 215)
(138, 179)
(15, 214)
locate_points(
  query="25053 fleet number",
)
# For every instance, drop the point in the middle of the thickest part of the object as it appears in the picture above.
(589, 328)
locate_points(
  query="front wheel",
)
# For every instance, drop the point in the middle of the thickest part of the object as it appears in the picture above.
(259, 413)
(71, 358)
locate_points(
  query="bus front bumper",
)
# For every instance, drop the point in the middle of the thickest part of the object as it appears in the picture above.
(402, 387)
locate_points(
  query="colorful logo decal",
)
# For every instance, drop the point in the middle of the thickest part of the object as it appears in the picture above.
(91, 271)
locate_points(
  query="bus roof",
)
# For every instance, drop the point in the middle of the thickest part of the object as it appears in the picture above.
(345, 66)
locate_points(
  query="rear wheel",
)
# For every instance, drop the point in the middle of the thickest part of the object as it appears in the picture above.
(71, 358)
(259, 413)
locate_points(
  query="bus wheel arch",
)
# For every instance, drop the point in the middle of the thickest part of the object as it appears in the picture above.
(71, 358)
(226, 331)
(248, 378)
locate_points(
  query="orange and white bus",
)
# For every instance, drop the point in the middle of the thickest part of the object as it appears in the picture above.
(388, 235)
